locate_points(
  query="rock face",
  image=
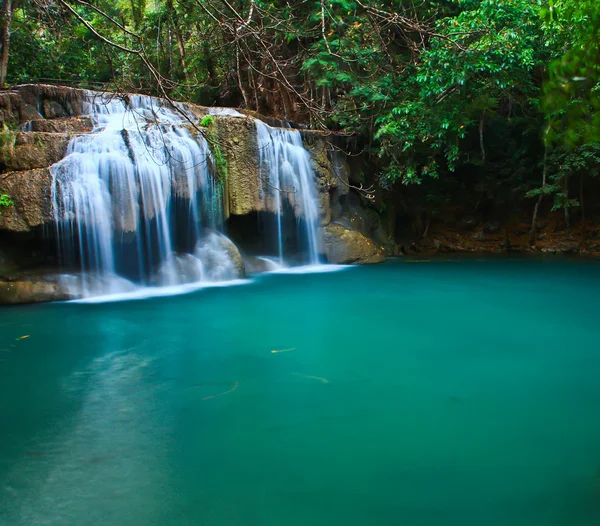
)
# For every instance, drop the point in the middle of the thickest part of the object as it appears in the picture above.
(237, 140)
(36, 150)
(31, 102)
(343, 245)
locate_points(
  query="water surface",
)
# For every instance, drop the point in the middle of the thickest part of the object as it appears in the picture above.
(426, 393)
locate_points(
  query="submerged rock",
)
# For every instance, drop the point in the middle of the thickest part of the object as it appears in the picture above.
(343, 245)
(232, 252)
(260, 264)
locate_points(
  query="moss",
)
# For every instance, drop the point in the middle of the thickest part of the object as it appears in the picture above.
(221, 168)
(8, 138)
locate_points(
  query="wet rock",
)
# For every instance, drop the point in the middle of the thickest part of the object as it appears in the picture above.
(343, 245)
(565, 247)
(259, 264)
(234, 254)
(479, 235)
(29, 112)
(73, 125)
(53, 110)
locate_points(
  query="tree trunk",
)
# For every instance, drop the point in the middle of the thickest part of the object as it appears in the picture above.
(5, 21)
(175, 25)
(239, 79)
(567, 208)
(581, 198)
(481, 143)
(532, 232)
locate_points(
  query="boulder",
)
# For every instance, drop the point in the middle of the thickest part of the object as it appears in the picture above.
(234, 255)
(260, 264)
(344, 245)
(222, 259)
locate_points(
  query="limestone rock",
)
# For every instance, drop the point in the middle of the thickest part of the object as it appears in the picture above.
(31, 192)
(10, 107)
(72, 125)
(258, 264)
(35, 290)
(29, 113)
(234, 254)
(344, 245)
(243, 181)
(37, 150)
(315, 143)
(53, 110)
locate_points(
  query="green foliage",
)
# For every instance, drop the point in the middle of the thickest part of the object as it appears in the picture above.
(207, 121)
(5, 202)
(572, 93)
(7, 142)
(455, 95)
(220, 162)
(564, 164)
(479, 70)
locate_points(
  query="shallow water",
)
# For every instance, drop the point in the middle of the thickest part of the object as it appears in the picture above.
(441, 393)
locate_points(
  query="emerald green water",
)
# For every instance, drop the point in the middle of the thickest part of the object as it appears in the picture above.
(444, 393)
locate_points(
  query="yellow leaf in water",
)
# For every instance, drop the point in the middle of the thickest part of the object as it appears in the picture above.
(274, 351)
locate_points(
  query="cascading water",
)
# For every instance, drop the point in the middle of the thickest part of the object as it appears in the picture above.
(132, 198)
(286, 174)
(137, 204)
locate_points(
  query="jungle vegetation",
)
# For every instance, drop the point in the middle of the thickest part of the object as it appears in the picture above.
(489, 101)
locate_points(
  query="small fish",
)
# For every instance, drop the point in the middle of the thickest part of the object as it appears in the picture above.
(283, 350)
(318, 378)
(23, 337)
(235, 386)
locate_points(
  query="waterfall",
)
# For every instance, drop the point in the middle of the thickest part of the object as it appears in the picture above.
(286, 174)
(133, 197)
(136, 202)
